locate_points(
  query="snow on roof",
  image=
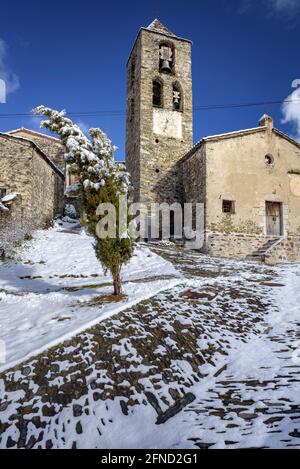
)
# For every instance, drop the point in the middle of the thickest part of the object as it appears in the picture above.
(157, 25)
(3, 208)
(265, 116)
(34, 132)
(10, 197)
(238, 133)
(235, 132)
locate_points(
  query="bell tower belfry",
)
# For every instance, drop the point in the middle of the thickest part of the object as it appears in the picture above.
(159, 120)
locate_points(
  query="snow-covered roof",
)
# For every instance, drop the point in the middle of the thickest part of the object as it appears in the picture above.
(265, 116)
(10, 197)
(238, 133)
(234, 133)
(3, 208)
(157, 26)
(34, 132)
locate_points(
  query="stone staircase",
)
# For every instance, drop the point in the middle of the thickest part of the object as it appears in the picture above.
(260, 254)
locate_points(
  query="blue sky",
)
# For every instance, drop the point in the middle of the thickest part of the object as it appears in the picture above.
(72, 55)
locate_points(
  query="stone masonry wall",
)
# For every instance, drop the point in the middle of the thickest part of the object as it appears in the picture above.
(133, 117)
(47, 191)
(232, 245)
(194, 177)
(287, 251)
(23, 170)
(16, 169)
(52, 147)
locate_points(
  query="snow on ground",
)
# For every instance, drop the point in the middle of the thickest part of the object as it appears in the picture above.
(52, 291)
(212, 362)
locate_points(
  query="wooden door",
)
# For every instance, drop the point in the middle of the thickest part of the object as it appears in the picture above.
(273, 215)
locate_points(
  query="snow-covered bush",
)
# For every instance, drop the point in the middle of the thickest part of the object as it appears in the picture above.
(101, 180)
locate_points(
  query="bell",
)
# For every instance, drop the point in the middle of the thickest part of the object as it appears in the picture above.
(165, 66)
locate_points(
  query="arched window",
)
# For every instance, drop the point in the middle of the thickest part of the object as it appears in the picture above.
(177, 97)
(166, 57)
(157, 96)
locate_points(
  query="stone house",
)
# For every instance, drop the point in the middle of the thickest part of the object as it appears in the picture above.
(27, 171)
(248, 181)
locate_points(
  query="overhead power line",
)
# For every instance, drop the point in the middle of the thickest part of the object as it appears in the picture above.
(113, 113)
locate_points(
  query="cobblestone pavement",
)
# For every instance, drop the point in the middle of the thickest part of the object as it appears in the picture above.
(173, 371)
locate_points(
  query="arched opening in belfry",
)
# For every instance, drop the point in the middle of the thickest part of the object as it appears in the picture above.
(166, 57)
(177, 97)
(157, 95)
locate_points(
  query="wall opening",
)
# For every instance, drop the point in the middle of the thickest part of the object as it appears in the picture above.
(177, 97)
(228, 206)
(157, 96)
(269, 160)
(166, 57)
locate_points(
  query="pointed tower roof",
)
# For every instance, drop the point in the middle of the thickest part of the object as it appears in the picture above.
(157, 26)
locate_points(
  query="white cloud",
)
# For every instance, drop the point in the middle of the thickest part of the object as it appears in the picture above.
(11, 79)
(84, 126)
(291, 111)
(285, 6)
(35, 123)
(284, 9)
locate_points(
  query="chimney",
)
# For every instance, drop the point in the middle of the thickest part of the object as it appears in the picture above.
(266, 121)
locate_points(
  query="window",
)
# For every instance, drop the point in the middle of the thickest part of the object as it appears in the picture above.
(2, 192)
(157, 93)
(166, 58)
(269, 160)
(228, 206)
(177, 97)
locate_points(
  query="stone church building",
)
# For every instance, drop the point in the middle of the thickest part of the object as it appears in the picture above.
(248, 180)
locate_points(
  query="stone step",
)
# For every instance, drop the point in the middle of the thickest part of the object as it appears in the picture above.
(260, 253)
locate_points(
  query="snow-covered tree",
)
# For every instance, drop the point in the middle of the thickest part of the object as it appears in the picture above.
(100, 181)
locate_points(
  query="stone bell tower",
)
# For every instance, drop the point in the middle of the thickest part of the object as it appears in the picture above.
(159, 113)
